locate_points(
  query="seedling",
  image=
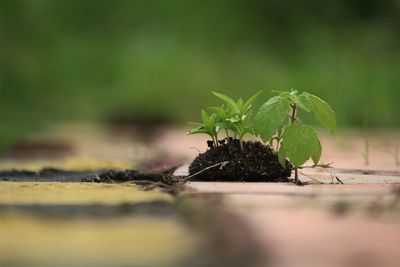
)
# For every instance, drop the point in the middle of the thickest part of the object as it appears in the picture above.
(278, 119)
(208, 126)
(236, 117)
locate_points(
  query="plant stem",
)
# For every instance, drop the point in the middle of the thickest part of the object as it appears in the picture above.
(241, 142)
(366, 150)
(227, 133)
(215, 141)
(278, 138)
(293, 119)
(293, 116)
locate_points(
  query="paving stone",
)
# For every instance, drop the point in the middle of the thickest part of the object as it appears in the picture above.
(322, 223)
(318, 225)
(28, 240)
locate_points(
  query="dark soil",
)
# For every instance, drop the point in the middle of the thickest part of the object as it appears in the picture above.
(46, 175)
(124, 176)
(255, 163)
(99, 176)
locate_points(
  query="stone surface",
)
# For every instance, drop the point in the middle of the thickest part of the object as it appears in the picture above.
(322, 223)
(319, 225)
(88, 224)
(132, 241)
(76, 193)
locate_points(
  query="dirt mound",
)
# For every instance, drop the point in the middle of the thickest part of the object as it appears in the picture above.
(255, 163)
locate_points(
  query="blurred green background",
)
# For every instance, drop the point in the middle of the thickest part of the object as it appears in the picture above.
(159, 60)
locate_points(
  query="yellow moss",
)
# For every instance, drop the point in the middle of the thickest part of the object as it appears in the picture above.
(75, 193)
(144, 241)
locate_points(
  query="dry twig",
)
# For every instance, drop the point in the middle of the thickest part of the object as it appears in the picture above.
(221, 164)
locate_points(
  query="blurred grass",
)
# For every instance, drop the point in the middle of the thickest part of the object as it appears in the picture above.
(77, 60)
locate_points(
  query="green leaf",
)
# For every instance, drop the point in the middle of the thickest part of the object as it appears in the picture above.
(271, 116)
(323, 112)
(218, 110)
(291, 96)
(195, 124)
(317, 151)
(251, 100)
(234, 118)
(198, 131)
(204, 116)
(303, 102)
(226, 125)
(282, 156)
(240, 104)
(231, 103)
(301, 143)
(286, 95)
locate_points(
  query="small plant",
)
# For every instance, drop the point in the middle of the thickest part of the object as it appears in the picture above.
(208, 126)
(277, 120)
(236, 117)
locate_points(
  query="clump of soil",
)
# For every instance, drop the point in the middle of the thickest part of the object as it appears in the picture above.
(255, 163)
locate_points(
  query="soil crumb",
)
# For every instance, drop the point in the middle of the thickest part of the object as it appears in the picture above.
(255, 163)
